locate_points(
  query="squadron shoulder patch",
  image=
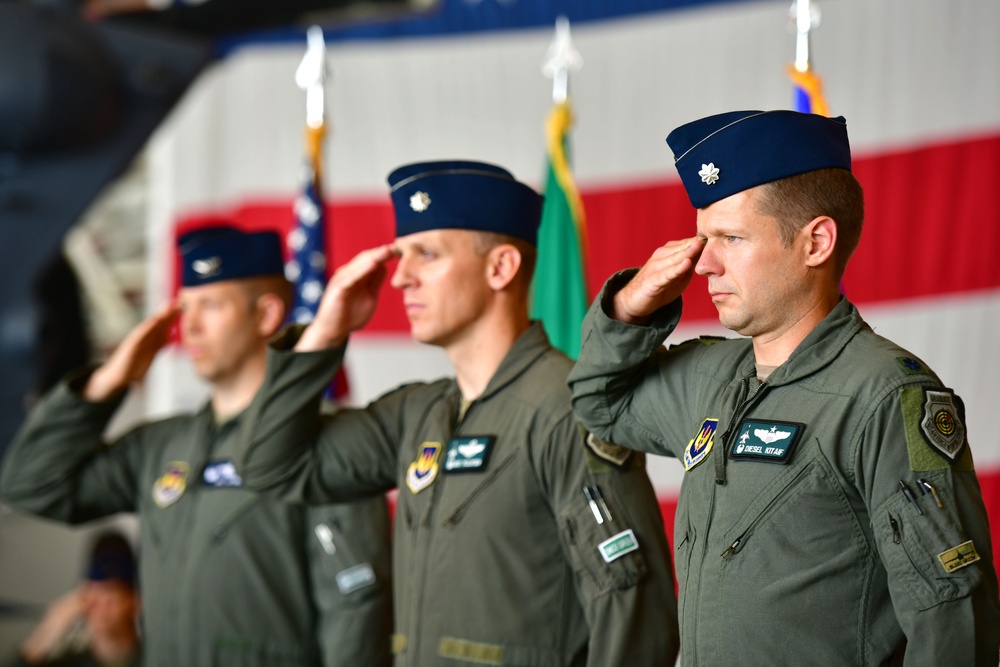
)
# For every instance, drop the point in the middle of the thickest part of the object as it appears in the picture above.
(701, 444)
(942, 424)
(168, 489)
(424, 470)
(935, 429)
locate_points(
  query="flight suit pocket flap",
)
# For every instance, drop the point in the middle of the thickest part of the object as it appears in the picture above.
(927, 555)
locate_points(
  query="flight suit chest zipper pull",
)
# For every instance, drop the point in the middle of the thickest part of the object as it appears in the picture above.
(896, 538)
(720, 459)
(460, 510)
(732, 548)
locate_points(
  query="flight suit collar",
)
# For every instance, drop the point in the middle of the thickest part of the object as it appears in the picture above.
(821, 346)
(531, 345)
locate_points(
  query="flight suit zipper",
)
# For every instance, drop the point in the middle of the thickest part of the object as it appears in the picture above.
(456, 516)
(414, 646)
(720, 459)
(741, 540)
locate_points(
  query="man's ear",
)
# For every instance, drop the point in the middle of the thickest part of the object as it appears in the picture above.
(820, 240)
(270, 314)
(502, 265)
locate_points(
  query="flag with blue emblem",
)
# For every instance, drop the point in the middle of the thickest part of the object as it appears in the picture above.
(807, 89)
(307, 267)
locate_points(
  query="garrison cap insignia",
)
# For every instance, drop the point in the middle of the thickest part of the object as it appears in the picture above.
(206, 268)
(424, 470)
(709, 173)
(420, 201)
(701, 445)
(942, 424)
(168, 489)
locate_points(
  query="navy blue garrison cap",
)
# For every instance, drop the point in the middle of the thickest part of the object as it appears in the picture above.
(456, 194)
(111, 557)
(225, 253)
(721, 155)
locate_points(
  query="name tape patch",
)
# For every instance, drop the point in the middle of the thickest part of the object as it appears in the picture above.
(618, 545)
(468, 454)
(221, 474)
(356, 577)
(768, 441)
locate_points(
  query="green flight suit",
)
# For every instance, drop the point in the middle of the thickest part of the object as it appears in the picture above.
(227, 575)
(497, 552)
(795, 543)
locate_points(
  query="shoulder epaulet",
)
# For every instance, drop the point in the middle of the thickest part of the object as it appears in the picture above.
(703, 340)
(603, 455)
(913, 366)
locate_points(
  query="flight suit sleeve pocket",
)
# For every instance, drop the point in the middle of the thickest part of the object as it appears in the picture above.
(926, 555)
(603, 548)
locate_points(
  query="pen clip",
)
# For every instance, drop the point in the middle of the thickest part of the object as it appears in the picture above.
(926, 486)
(600, 501)
(593, 504)
(910, 497)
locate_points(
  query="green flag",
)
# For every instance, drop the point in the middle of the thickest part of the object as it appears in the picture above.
(559, 292)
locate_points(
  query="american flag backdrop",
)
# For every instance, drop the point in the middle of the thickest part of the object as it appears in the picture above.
(915, 80)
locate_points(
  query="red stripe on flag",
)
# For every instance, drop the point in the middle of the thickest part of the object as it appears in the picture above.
(932, 228)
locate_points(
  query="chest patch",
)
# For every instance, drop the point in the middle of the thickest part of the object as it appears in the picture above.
(168, 489)
(468, 454)
(221, 474)
(424, 470)
(701, 445)
(768, 441)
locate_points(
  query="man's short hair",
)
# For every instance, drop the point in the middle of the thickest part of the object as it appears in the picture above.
(796, 200)
(483, 242)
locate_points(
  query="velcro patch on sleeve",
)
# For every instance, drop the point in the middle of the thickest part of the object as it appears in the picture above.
(618, 545)
(354, 578)
(935, 430)
(608, 451)
(958, 557)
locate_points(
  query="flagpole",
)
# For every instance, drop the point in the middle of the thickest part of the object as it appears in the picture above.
(803, 24)
(562, 58)
(311, 76)
(804, 16)
(559, 290)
